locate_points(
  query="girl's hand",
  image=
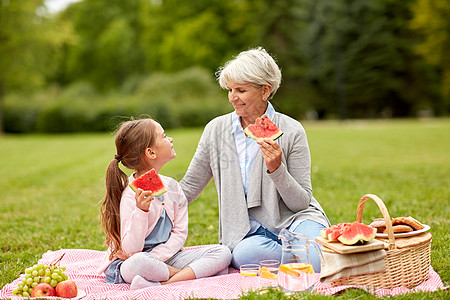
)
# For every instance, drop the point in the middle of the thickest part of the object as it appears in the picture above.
(124, 256)
(143, 199)
(271, 153)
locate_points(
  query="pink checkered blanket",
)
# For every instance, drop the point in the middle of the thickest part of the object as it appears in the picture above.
(82, 265)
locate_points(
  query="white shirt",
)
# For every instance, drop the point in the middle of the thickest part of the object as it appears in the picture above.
(247, 149)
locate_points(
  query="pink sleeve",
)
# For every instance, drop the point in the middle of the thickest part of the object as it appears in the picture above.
(136, 224)
(179, 233)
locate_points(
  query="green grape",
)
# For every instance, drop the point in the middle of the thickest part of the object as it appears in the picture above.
(40, 273)
(53, 283)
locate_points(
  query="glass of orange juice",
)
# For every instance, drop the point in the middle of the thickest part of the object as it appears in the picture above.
(268, 271)
(250, 278)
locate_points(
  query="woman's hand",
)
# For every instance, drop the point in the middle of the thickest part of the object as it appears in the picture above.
(143, 199)
(271, 153)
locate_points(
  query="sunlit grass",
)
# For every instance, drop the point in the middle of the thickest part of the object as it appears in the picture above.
(51, 185)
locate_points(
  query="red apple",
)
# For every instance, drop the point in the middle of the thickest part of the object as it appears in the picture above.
(67, 289)
(43, 289)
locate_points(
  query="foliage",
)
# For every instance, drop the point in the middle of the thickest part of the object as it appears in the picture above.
(358, 52)
(431, 20)
(27, 42)
(339, 58)
(52, 183)
(106, 50)
(187, 98)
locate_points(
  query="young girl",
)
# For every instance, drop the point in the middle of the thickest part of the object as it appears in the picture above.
(145, 235)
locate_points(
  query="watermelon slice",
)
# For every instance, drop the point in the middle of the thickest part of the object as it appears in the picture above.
(263, 128)
(332, 233)
(149, 181)
(323, 233)
(357, 233)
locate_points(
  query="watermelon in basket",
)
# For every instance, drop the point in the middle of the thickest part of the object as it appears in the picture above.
(407, 259)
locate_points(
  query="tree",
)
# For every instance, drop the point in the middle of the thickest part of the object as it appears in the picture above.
(28, 45)
(337, 56)
(180, 34)
(431, 20)
(106, 50)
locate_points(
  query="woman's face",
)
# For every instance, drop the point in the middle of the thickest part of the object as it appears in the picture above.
(248, 101)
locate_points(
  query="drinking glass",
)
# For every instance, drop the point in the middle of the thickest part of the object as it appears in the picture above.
(268, 271)
(250, 278)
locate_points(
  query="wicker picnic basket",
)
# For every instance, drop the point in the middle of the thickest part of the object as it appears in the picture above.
(407, 259)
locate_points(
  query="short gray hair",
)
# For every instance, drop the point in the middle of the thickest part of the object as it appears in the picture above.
(254, 66)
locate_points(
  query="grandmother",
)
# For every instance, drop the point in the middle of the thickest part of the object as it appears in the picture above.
(263, 186)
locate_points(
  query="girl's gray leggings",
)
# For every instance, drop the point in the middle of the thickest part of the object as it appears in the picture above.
(205, 261)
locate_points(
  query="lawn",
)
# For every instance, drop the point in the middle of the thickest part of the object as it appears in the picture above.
(51, 185)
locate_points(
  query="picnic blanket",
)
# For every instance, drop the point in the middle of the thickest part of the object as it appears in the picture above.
(433, 284)
(82, 265)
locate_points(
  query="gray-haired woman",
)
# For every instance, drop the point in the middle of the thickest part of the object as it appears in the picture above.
(262, 186)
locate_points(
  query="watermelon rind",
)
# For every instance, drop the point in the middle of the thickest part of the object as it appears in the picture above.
(273, 137)
(154, 194)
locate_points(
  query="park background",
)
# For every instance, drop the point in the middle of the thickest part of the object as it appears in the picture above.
(73, 69)
(369, 80)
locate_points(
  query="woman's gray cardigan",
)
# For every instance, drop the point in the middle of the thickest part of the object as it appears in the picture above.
(275, 200)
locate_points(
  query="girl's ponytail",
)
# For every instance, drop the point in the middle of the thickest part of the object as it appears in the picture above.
(132, 139)
(116, 182)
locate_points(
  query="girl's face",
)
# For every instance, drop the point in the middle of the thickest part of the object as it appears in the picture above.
(248, 100)
(163, 146)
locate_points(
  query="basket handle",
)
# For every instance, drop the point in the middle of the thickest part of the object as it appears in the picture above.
(384, 212)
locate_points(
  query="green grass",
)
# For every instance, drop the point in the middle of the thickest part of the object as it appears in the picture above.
(51, 184)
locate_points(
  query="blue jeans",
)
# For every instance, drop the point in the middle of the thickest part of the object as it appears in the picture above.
(263, 245)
